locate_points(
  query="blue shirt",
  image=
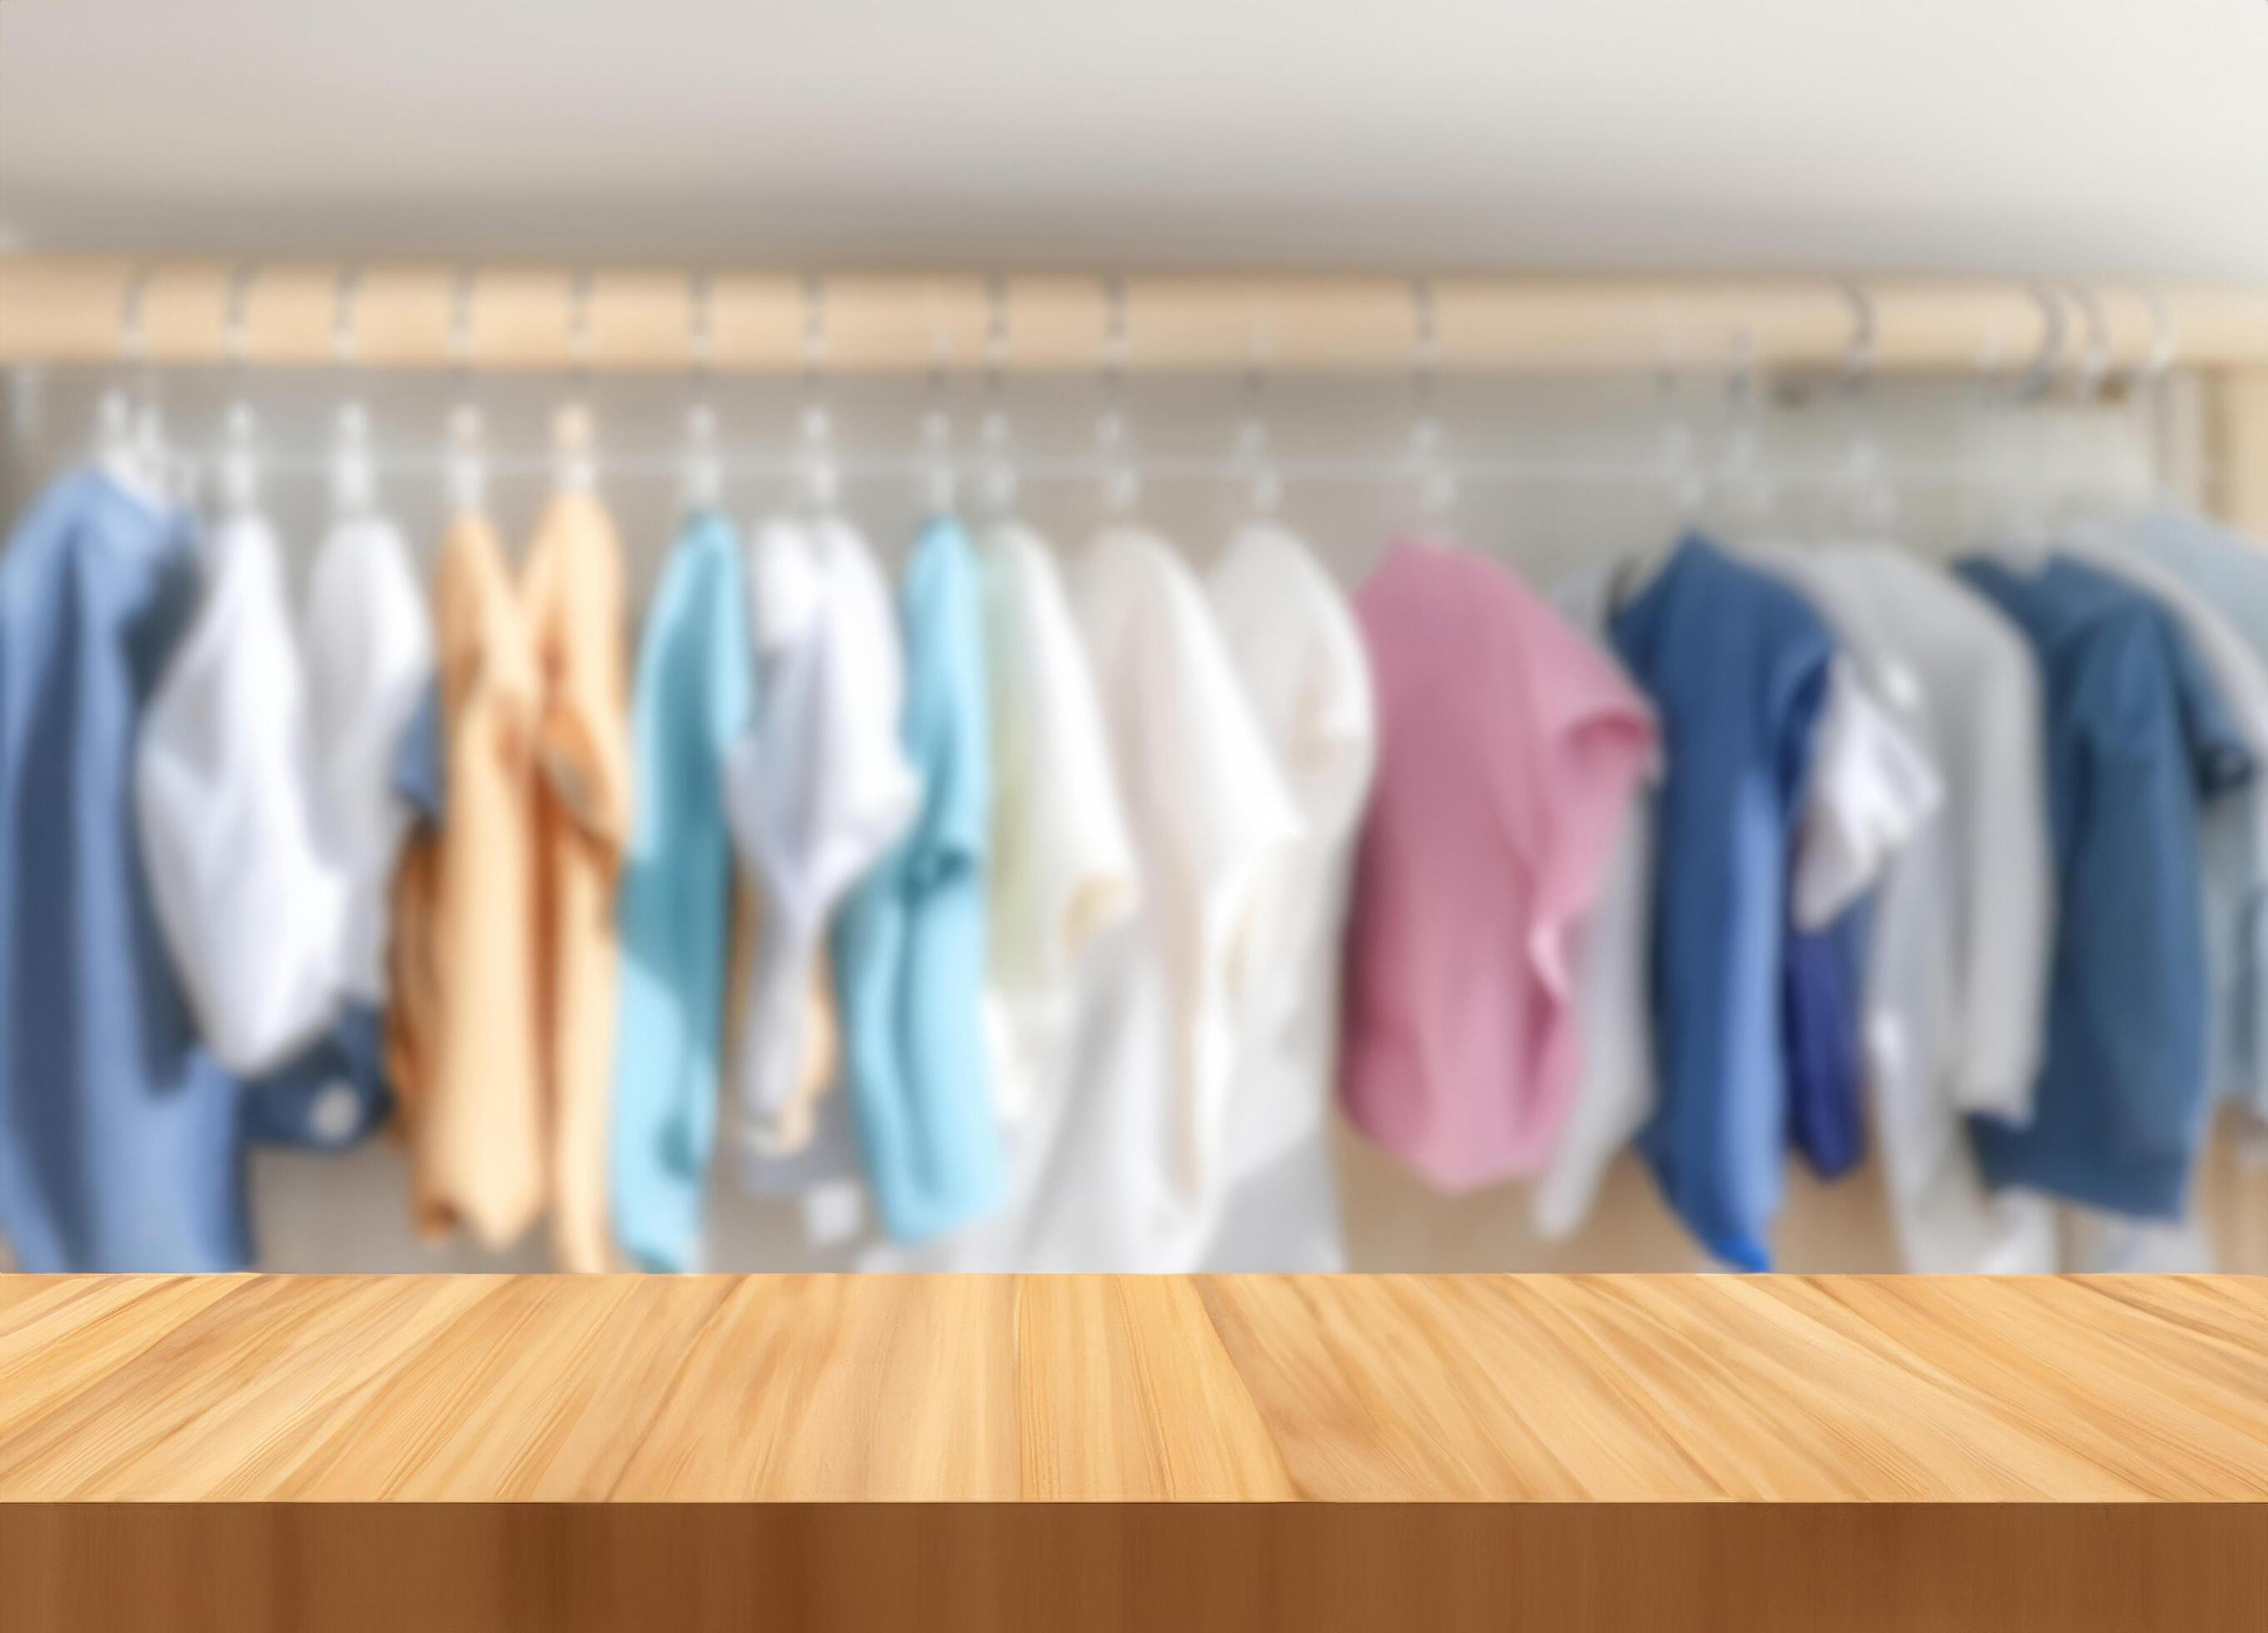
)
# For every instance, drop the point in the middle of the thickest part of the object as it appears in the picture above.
(909, 945)
(1736, 666)
(694, 696)
(2232, 574)
(2135, 736)
(1823, 983)
(120, 1139)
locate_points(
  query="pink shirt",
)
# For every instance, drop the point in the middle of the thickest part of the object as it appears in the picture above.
(1509, 750)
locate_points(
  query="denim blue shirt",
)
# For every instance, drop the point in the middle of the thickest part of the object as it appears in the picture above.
(119, 1138)
(2136, 738)
(1736, 665)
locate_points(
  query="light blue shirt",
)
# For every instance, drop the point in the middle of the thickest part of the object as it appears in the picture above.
(2231, 574)
(909, 945)
(119, 1138)
(694, 696)
(2136, 738)
(1736, 666)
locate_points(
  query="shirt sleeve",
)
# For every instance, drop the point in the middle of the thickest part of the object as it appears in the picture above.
(253, 913)
(1871, 787)
(2008, 883)
(1225, 813)
(1598, 738)
(574, 598)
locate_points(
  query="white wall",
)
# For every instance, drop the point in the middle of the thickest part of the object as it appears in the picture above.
(2082, 137)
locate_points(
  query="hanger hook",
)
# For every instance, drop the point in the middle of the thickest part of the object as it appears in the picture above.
(344, 341)
(234, 326)
(700, 330)
(2040, 374)
(1424, 344)
(1860, 357)
(579, 327)
(133, 333)
(814, 333)
(2092, 364)
(1267, 486)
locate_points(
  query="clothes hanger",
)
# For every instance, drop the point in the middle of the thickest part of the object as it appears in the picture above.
(1263, 490)
(1432, 474)
(240, 463)
(353, 468)
(940, 480)
(998, 453)
(2146, 392)
(1122, 474)
(1681, 442)
(819, 481)
(2005, 510)
(574, 435)
(129, 431)
(464, 468)
(1870, 495)
(701, 483)
(1748, 495)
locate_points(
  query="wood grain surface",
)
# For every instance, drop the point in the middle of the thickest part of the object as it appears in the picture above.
(1665, 1451)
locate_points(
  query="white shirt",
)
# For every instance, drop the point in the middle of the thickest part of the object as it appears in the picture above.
(367, 638)
(253, 909)
(1125, 1170)
(1063, 862)
(1293, 639)
(1963, 924)
(817, 793)
(1615, 1094)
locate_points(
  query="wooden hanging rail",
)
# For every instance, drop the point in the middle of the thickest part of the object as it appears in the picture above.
(70, 309)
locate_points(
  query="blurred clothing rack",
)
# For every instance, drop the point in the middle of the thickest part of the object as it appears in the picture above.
(66, 309)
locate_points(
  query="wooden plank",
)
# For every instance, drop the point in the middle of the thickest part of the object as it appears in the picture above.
(1003, 1452)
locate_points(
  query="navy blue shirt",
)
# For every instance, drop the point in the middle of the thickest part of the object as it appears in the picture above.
(1735, 664)
(2136, 736)
(1823, 979)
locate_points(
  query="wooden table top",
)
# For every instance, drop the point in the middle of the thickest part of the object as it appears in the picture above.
(1389, 1388)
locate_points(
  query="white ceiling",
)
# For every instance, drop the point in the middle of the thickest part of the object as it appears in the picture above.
(2088, 137)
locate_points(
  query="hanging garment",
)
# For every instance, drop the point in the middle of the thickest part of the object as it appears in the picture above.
(817, 792)
(1126, 1164)
(119, 1134)
(366, 641)
(511, 1110)
(2234, 841)
(254, 912)
(575, 607)
(908, 945)
(2230, 573)
(1294, 641)
(414, 1002)
(1963, 919)
(2138, 737)
(1872, 789)
(1737, 667)
(1062, 866)
(1508, 749)
(1062, 878)
(694, 701)
(1614, 1092)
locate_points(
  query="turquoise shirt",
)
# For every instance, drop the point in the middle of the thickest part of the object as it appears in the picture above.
(909, 945)
(694, 696)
